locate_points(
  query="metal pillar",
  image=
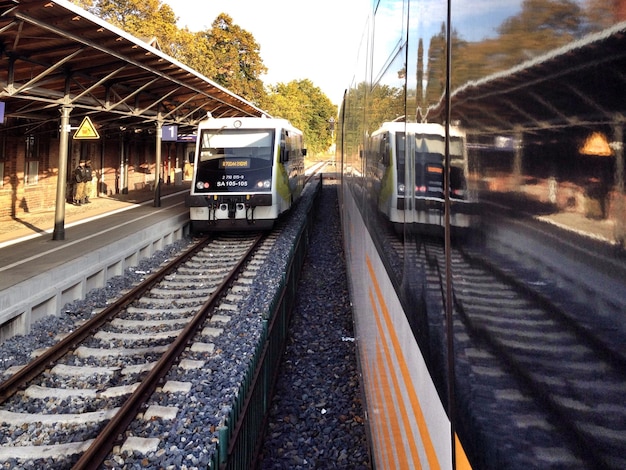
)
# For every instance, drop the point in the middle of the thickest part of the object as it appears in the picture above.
(618, 148)
(59, 214)
(157, 170)
(517, 161)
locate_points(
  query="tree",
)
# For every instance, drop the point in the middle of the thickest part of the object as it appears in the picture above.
(142, 18)
(225, 53)
(436, 73)
(542, 25)
(193, 50)
(604, 13)
(84, 4)
(307, 108)
(238, 64)
(365, 110)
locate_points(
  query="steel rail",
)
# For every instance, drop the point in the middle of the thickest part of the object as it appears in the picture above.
(20, 378)
(97, 452)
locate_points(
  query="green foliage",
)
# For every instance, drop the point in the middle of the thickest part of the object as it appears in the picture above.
(225, 53)
(383, 104)
(539, 27)
(84, 4)
(307, 108)
(237, 58)
(228, 55)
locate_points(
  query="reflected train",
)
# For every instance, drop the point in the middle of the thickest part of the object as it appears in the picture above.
(537, 161)
(247, 172)
(407, 166)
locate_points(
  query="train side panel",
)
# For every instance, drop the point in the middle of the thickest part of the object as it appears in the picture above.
(407, 420)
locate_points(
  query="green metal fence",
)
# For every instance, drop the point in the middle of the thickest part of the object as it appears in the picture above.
(242, 435)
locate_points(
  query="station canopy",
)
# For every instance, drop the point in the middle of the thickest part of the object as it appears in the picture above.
(56, 54)
(581, 84)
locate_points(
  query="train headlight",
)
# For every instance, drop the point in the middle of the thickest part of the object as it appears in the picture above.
(202, 185)
(265, 184)
(401, 189)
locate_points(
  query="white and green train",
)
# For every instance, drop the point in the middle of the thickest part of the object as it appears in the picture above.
(247, 172)
(407, 167)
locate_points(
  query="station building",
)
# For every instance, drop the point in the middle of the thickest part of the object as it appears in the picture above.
(75, 87)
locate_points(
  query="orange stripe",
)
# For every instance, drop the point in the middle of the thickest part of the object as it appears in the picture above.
(462, 462)
(375, 423)
(388, 397)
(386, 450)
(431, 455)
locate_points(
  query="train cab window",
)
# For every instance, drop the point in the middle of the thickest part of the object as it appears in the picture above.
(235, 143)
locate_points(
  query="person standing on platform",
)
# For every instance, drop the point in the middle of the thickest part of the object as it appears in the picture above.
(88, 183)
(79, 183)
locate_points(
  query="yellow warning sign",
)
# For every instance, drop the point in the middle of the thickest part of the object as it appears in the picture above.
(86, 130)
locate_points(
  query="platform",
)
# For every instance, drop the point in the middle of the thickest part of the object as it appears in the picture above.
(38, 274)
(41, 223)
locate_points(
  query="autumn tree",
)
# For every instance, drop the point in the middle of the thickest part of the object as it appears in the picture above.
(542, 25)
(144, 19)
(84, 4)
(604, 13)
(237, 58)
(379, 104)
(307, 108)
(436, 72)
(225, 53)
(193, 50)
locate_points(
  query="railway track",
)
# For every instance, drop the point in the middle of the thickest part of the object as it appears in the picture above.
(95, 381)
(562, 386)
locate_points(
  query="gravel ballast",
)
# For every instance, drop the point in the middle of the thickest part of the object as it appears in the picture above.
(316, 418)
(316, 421)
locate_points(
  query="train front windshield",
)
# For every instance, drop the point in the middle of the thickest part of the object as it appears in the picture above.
(428, 175)
(234, 160)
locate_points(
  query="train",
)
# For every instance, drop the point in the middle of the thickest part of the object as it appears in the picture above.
(533, 121)
(407, 167)
(247, 172)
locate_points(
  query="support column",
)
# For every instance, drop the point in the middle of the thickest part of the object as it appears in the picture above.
(517, 161)
(618, 148)
(157, 170)
(59, 213)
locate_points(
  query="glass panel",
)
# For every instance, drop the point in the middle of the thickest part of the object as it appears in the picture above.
(526, 183)
(234, 160)
(31, 176)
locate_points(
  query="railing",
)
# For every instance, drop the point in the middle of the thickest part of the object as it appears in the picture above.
(241, 437)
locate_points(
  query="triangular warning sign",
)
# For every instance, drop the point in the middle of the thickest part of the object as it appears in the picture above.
(86, 130)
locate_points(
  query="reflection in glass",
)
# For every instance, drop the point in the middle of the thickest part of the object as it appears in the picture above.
(535, 142)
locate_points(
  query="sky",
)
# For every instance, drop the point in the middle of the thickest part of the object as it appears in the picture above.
(298, 40)
(319, 40)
